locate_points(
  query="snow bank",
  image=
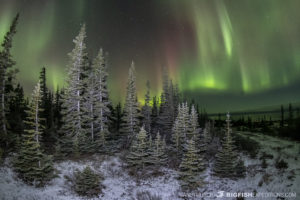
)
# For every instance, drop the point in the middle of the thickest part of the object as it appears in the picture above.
(120, 186)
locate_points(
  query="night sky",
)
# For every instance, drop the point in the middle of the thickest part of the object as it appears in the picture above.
(227, 55)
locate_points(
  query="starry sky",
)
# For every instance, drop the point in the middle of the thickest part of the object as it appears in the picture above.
(225, 54)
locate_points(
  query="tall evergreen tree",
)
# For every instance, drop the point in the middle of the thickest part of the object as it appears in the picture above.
(154, 116)
(57, 107)
(138, 155)
(90, 116)
(282, 116)
(72, 109)
(195, 132)
(207, 132)
(33, 166)
(226, 158)
(97, 102)
(158, 156)
(291, 114)
(46, 105)
(6, 63)
(194, 129)
(116, 119)
(102, 103)
(191, 168)
(181, 128)
(172, 104)
(17, 114)
(146, 110)
(166, 118)
(176, 99)
(130, 124)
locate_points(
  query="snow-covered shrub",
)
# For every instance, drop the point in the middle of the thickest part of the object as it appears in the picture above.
(240, 169)
(266, 156)
(1, 153)
(281, 164)
(146, 195)
(247, 144)
(264, 163)
(87, 182)
(266, 178)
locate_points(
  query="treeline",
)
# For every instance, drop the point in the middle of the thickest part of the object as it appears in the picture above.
(287, 126)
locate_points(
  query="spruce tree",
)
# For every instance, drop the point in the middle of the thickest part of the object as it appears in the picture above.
(57, 107)
(291, 114)
(240, 169)
(90, 115)
(6, 63)
(226, 158)
(130, 125)
(146, 110)
(96, 116)
(176, 99)
(102, 99)
(158, 156)
(154, 116)
(193, 129)
(115, 121)
(72, 109)
(191, 168)
(194, 132)
(281, 116)
(87, 182)
(181, 128)
(32, 165)
(172, 104)
(207, 133)
(45, 95)
(46, 105)
(177, 138)
(16, 116)
(166, 116)
(138, 155)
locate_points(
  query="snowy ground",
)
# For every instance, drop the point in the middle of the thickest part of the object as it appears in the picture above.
(119, 185)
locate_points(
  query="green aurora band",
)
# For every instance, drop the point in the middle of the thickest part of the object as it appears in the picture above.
(244, 47)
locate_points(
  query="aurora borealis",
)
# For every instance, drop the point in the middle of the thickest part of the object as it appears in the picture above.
(244, 52)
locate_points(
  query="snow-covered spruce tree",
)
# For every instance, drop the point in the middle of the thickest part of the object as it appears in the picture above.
(72, 110)
(177, 138)
(138, 155)
(176, 99)
(87, 182)
(31, 164)
(97, 102)
(47, 114)
(158, 156)
(191, 168)
(6, 63)
(89, 116)
(240, 169)
(165, 118)
(226, 158)
(207, 132)
(195, 133)
(171, 100)
(102, 98)
(193, 129)
(130, 124)
(146, 110)
(154, 116)
(57, 104)
(180, 129)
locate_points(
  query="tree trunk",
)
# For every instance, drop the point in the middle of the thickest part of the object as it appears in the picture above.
(3, 111)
